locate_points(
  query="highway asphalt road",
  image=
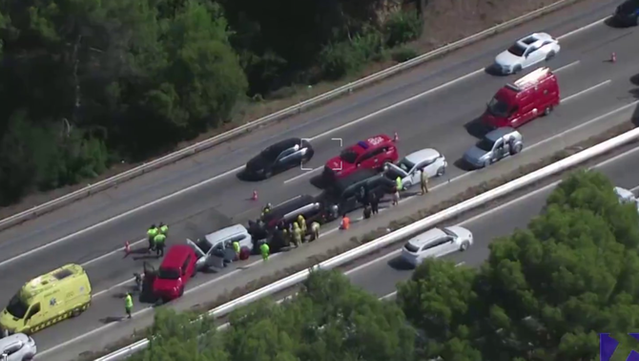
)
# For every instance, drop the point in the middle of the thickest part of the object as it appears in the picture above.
(381, 275)
(590, 87)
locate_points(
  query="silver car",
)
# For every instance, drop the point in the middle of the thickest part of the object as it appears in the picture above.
(17, 347)
(436, 243)
(626, 196)
(430, 160)
(496, 145)
(527, 52)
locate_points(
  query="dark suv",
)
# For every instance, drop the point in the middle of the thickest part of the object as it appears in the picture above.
(351, 192)
(627, 14)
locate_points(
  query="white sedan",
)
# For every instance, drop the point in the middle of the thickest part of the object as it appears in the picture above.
(436, 243)
(430, 160)
(527, 52)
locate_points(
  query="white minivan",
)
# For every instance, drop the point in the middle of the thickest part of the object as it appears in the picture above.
(436, 243)
(212, 248)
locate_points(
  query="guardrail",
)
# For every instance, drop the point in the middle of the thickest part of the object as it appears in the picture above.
(404, 232)
(295, 109)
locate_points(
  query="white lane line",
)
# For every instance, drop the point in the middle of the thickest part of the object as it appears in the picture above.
(592, 121)
(305, 174)
(593, 24)
(573, 96)
(235, 170)
(567, 66)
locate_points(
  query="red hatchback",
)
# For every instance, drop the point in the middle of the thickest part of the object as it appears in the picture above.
(177, 268)
(371, 153)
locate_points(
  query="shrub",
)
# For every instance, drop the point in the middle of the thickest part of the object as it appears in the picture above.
(339, 59)
(402, 27)
(403, 53)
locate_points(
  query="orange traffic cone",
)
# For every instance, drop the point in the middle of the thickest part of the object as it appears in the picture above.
(396, 137)
(613, 57)
(254, 197)
(127, 247)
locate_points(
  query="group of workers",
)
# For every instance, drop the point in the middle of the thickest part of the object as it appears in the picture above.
(157, 238)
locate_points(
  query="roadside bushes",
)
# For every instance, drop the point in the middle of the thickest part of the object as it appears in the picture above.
(338, 59)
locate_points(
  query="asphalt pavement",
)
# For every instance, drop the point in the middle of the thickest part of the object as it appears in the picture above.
(381, 275)
(590, 86)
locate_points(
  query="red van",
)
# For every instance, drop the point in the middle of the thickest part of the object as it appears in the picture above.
(516, 104)
(176, 270)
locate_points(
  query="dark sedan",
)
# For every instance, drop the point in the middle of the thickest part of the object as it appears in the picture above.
(283, 155)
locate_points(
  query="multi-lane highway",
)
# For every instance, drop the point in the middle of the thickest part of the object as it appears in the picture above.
(429, 107)
(381, 275)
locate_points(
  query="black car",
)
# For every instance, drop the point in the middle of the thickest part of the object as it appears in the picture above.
(280, 156)
(284, 214)
(351, 192)
(627, 14)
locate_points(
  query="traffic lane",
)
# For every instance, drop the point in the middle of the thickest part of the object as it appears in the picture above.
(182, 176)
(193, 206)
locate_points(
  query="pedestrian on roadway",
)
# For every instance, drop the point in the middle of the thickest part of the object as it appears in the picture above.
(264, 249)
(423, 181)
(315, 228)
(159, 243)
(128, 304)
(151, 233)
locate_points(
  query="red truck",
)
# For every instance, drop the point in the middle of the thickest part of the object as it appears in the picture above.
(516, 104)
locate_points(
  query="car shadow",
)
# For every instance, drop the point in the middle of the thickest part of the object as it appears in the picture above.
(476, 129)
(463, 165)
(613, 23)
(399, 264)
(494, 71)
(245, 176)
(319, 181)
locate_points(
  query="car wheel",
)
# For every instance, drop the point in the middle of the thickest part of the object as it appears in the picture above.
(547, 111)
(487, 162)
(517, 69)
(76, 312)
(517, 148)
(464, 246)
(181, 291)
(550, 55)
(268, 173)
(441, 171)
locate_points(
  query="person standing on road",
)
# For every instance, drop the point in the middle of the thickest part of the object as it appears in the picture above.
(151, 233)
(297, 234)
(346, 222)
(128, 304)
(264, 249)
(164, 229)
(303, 227)
(374, 203)
(160, 243)
(315, 228)
(396, 196)
(399, 184)
(423, 181)
(236, 248)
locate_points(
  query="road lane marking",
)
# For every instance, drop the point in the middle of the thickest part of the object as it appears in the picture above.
(235, 170)
(305, 174)
(591, 121)
(573, 96)
(567, 66)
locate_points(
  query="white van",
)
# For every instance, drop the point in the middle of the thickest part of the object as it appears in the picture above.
(17, 347)
(211, 249)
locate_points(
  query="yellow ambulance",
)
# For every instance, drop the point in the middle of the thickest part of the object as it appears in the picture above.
(46, 300)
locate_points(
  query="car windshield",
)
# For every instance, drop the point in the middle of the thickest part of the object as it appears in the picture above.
(517, 50)
(406, 165)
(349, 156)
(169, 273)
(498, 108)
(485, 145)
(17, 308)
(411, 248)
(449, 232)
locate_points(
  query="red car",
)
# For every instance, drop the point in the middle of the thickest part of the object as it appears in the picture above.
(371, 153)
(177, 268)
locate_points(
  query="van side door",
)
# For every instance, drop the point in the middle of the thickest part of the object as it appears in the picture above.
(34, 316)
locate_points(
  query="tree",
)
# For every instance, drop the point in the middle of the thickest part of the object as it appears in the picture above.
(545, 292)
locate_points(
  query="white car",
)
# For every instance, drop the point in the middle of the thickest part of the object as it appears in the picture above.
(17, 347)
(527, 52)
(211, 250)
(626, 196)
(430, 160)
(436, 243)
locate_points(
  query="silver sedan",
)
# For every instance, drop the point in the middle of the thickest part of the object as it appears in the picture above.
(527, 52)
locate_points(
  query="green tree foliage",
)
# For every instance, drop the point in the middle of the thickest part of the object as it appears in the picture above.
(328, 320)
(85, 83)
(545, 292)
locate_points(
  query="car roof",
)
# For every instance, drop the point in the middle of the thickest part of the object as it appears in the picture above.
(13, 339)
(426, 237)
(364, 145)
(357, 176)
(176, 256)
(498, 133)
(534, 38)
(288, 206)
(421, 155)
(223, 233)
